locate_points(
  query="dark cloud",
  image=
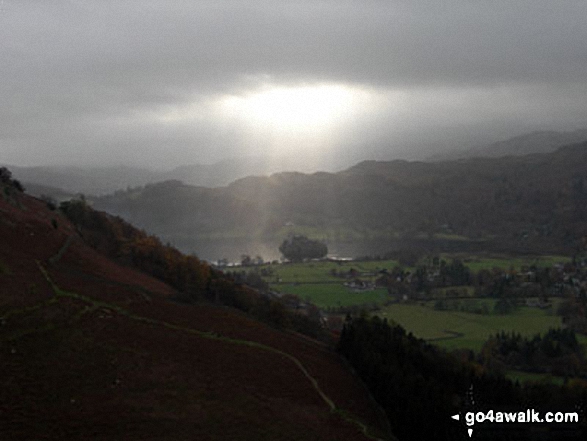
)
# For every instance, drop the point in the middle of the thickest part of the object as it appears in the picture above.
(82, 80)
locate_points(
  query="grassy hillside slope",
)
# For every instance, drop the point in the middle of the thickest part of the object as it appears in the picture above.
(90, 349)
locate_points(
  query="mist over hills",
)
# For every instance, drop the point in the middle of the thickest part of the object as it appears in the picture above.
(533, 203)
(75, 180)
(544, 141)
(223, 209)
(63, 180)
(103, 180)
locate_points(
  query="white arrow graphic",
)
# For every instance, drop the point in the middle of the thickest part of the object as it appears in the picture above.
(456, 418)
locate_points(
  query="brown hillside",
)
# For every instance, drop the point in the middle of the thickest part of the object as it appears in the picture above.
(93, 350)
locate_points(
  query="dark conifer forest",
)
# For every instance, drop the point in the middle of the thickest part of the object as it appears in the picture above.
(420, 387)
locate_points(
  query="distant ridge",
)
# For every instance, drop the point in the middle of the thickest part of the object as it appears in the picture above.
(535, 142)
(543, 141)
(532, 203)
(107, 179)
(98, 181)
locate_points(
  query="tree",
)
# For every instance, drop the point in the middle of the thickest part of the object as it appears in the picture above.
(298, 248)
(6, 179)
(16, 184)
(5, 175)
(50, 201)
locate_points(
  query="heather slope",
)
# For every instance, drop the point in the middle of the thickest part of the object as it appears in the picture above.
(94, 350)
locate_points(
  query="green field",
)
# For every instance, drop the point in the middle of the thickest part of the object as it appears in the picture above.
(474, 303)
(453, 330)
(312, 272)
(478, 263)
(530, 377)
(325, 295)
(320, 271)
(455, 326)
(314, 282)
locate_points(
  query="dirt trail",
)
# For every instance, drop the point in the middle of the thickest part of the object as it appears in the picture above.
(214, 336)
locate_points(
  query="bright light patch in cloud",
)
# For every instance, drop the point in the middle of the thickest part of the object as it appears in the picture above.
(154, 82)
(280, 109)
(295, 109)
(282, 118)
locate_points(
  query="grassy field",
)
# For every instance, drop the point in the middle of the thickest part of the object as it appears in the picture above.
(475, 303)
(313, 272)
(334, 295)
(464, 305)
(530, 377)
(314, 281)
(320, 272)
(453, 330)
(476, 263)
(456, 326)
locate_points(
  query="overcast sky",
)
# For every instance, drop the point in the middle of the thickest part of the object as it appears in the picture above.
(166, 83)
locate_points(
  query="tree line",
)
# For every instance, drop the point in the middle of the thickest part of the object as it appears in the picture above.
(420, 386)
(557, 352)
(194, 279)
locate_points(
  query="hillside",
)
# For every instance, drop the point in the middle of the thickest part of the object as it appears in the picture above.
(103, 180)
(95, 350)
(535, 142)
(546, 141)
(533, 203)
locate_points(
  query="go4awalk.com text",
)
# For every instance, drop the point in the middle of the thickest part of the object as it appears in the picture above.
(531, 416)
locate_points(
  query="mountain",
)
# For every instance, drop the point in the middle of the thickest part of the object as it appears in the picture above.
(535, 142)
(533, 203)
(94, 348)
(56, 180)
(97, 180)
(48, 192)
(226, 171)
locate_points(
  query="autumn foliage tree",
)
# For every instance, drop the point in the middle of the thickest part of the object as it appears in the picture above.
(195, 279)
(121, 241)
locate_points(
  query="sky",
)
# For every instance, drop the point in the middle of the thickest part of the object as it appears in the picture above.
(160, 84)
